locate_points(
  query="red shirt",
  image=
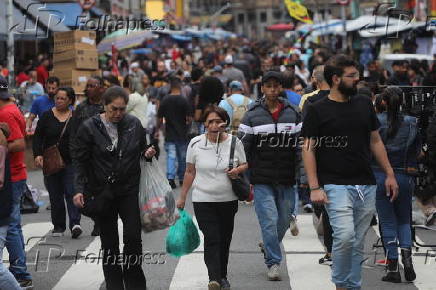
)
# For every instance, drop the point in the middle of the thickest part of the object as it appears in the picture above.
(11, 115)
(42, 75)
(21, 78)
(276, 113)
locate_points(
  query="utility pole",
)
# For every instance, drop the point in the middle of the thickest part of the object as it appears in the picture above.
(344, 28)
(11, 46)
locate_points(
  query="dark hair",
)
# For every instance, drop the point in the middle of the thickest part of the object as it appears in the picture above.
(287, 80)
(99, 79)
(393, 98)
(336, 65)
(196, 74)
(71, 94)
(217, 110)
(52, 80)
(113, 93)
(211, 89)
(113, 80)
(126, 82)
(175, 82)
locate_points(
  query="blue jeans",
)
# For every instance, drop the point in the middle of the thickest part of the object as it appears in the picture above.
(60, 189)
(273, 205)
(176, 149)
(395, 216)
(14, 239)
(7, 280)
(350, 210)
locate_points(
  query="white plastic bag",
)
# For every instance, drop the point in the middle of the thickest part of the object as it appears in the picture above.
(156, 201)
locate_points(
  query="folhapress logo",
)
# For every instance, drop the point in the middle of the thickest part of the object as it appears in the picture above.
(38, 21)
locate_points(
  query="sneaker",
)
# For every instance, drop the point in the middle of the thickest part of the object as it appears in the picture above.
(76, 231)
(48, 207)
(274, 273)
(293, 225)
(431, 220)
(214, 285)
(56, 232)
(326, 260)
(95, 231)
(308, 208)
(172, 183)
(262, 249)
(181, 183)
(382, 262)
(25, 284)
(225, 284)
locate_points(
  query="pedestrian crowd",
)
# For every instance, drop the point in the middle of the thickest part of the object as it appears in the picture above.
(309, 126)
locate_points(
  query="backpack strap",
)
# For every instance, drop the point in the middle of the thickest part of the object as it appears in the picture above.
(246, 101)
(231, 103)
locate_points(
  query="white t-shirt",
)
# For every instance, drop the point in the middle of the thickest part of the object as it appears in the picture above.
(211, 183)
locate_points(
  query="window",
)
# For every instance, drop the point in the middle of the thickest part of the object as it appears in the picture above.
(263, 17)
(251, 16)
(241, 18)
(277, 14)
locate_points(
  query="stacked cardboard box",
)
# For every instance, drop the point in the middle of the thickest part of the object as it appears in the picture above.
(75, 58)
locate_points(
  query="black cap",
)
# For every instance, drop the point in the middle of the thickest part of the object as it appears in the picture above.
(272, 75)
(4, 89)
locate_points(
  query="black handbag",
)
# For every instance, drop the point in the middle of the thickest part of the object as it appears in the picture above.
(240, 185)
(95, 205)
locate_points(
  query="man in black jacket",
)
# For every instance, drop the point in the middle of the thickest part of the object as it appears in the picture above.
(90, 107)
(269, 132)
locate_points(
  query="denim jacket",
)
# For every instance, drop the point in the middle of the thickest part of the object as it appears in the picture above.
(404, 148)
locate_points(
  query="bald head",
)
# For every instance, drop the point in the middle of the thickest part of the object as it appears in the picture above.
(318, 78)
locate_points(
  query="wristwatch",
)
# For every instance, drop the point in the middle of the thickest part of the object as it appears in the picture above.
(316, 188)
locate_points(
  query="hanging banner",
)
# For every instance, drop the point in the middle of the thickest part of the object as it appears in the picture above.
(298, 11)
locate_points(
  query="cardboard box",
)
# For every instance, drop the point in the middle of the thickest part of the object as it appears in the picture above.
(76, 39)
(76, 79)
(77, 59)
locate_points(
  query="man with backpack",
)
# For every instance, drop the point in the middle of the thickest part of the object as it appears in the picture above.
(235, 105)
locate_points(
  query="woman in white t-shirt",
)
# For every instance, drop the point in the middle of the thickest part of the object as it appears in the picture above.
(215, 203)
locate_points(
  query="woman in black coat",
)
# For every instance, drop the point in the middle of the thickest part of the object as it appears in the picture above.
(106, 154)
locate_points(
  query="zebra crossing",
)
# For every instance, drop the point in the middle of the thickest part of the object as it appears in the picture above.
(300, 269)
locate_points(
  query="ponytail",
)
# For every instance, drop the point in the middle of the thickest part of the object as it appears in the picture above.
(393, 98)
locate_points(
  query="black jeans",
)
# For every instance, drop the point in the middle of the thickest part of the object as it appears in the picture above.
(125, 268)
(328, 231)
(60, 190)
(216, 220)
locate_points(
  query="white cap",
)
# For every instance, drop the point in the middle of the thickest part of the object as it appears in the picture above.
(229, 59)
(134, 65)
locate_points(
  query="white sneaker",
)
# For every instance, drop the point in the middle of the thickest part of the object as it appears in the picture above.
(76, 231)
(293, 226)
(274, 273)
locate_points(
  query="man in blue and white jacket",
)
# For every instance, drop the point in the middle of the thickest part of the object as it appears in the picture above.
(270, 134)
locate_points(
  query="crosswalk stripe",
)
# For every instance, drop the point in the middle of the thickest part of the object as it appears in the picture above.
(32, 233)
(184, 277)
(87, 274)
(303, 269)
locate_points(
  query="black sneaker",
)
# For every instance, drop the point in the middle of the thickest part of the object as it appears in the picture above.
(76, 231)
(96, 231)
(57, 232)
(326, 260)
(225, 284)
(25, 284)
(308, 208)
(172, 183)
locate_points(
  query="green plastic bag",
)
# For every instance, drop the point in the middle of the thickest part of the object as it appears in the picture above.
(183, 237)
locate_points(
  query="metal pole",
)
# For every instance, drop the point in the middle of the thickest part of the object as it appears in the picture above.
(344, 27)
(11, 47)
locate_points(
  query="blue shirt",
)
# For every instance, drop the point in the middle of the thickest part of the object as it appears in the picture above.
(238, 99)
(293, 97)
(41, 105)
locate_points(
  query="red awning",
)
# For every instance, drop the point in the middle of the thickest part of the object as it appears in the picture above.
(281, 27)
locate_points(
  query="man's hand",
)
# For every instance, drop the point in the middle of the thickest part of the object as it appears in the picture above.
(391, 187)
(233, 174)
(39, 161)
(180, 203)
(319, 196)
(78, 200)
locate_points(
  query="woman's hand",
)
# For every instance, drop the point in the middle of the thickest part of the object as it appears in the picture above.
(181, 203)
(150, 152)
(233, 174)
(78, 200)
(39, 161)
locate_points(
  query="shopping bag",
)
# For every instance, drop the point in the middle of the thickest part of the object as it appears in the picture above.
(183, 237)
(156, 201)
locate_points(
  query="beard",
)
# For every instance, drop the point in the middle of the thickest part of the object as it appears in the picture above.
(347, 91)
(51, 95)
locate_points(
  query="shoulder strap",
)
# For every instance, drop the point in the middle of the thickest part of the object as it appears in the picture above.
(65, 128)
(231, 103)
(232, 151)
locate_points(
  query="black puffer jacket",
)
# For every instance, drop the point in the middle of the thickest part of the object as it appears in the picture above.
(94, 159)
(271, 147)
